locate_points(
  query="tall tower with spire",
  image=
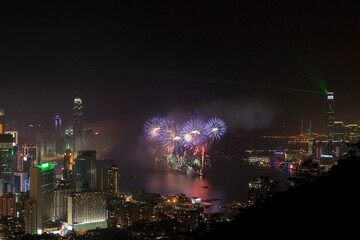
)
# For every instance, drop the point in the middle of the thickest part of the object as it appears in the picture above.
(77, 124)
(330, 115)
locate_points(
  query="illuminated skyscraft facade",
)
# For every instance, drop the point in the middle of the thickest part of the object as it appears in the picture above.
(330, 116)
(77, 125)
(87, 210)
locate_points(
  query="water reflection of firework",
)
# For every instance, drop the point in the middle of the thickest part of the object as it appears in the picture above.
(183, 146)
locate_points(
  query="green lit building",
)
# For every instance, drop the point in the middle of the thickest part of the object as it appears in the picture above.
(42, 184)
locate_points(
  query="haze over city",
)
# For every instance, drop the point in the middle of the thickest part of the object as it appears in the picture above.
(264, 85)
(129, 61)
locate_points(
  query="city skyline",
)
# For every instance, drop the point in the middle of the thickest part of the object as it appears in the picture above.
(149, 119)
(130, 62)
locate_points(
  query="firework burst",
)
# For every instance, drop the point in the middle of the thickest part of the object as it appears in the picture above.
(193, 132)
(152, 128)
(185, 144)
(215, 128)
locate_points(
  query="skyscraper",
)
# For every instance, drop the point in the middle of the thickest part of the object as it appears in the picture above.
(57, 137)
(77, 124)
(330, 115)
(69, 138)
(85, 167)
(68, 164)
(339, 130)
(2, 120)
(7, 157)
(57, 122)
(108, 180)
(19, 182)
(30, 155)
(42, 186)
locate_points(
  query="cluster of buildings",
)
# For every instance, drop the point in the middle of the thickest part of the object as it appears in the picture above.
(69, 192)
(321, 152)
(324, 148)
(339, 136)
(73, 191)
(78, 192)
(18, 154)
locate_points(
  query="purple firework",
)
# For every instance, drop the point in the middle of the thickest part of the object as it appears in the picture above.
(152, 128)
(170, 133)
(193, 132)
(215, 128)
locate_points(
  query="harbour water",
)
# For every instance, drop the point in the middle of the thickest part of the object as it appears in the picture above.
(225, 182)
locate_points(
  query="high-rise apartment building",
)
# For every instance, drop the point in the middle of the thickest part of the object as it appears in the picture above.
(108, 180)
(87, 210)
(7, 205)
(62, 193)
(30, 218)
(112, 181)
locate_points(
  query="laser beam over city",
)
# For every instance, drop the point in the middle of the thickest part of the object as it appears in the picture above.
(179, 119)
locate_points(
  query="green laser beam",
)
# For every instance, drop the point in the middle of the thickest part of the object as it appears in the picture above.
(212, 80)
(303, 61)
(281, 88)
(313, 57)
(313, 67)
(296, 62)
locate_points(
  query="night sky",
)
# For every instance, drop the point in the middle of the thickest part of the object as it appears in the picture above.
(131, 61)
